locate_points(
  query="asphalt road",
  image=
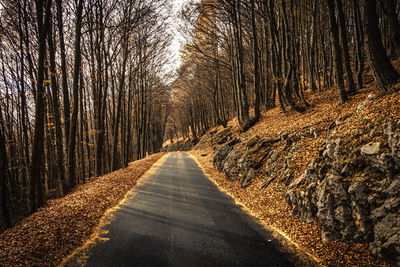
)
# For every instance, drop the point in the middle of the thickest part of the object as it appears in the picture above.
(178, 217)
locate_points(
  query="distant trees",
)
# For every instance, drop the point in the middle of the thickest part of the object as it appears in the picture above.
(82, 93)
(271, 52)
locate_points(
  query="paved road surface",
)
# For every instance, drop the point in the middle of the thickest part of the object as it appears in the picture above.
(177, 217)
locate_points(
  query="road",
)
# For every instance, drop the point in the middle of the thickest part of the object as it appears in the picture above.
(177, 217)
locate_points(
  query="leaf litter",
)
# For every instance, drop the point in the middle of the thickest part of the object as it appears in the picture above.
(62, 225)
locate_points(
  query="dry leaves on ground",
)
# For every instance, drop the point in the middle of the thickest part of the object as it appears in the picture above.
(54, 231)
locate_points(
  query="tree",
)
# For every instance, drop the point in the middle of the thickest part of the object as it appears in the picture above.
(36, 178)
(384, 73)
(345, 48)
(75, 89)
(337, 59)
(256, 63)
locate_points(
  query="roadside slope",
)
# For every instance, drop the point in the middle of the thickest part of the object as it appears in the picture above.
(259, 166)
(55, 230)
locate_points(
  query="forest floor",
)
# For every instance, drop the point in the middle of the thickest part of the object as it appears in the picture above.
(64, 224)
(269, 204)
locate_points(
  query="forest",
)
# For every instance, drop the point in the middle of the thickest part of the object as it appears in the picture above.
(82, 93)
(248, 56)
(84, 90)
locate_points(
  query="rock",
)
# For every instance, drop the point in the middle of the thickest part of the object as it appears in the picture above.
(274, 157)
(337, 167)
(370, 149)
(357, 189)
(297, 182)
(394, 188)
(371, 200)
(394, 144)
(253, 141)
(231, 167)
(332, 149)
(333, 209)
(391, 248)
(362, 223)
(301, 195)
(386, 242)
(337, 152)
(387, 128)
(314, 132)
(220, 155)
(341, 214)
(247, 179)
(223, 136)
(361, 106)
(329, 151)
(295, 148)
(378, 213)
(372, 97)
(345, 170)
(283, 135)
(392, 203)
(328, 236)
(385, 162)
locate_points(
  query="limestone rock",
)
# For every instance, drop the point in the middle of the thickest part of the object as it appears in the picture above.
(230, 166)
(386, 242)
(372, 97)
(333, 209)
(329, 151)
(387, 128)
(220, 156)
(370, 149)
(378, 213)
(394, 144)
(247, 179)
(283, 135)
(362, 106)
(394, 188)
(314, 132)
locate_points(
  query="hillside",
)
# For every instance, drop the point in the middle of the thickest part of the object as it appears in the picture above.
(327, 178)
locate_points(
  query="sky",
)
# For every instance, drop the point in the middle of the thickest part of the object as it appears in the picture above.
(178, 39)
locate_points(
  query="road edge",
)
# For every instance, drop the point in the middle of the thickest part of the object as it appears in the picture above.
(289, 246)
(82, 251)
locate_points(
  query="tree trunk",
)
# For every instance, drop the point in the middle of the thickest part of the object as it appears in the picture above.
(256, 65)
(66, 102)
(394, 26)
(337, 59)
(5, 221)
(345, 48)
(115, 158)
(243, 102)
(60, 170)
(35, 170)
(75, 88)
(384, 73)
(359, 44)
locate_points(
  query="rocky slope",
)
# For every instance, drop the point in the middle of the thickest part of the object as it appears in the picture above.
(340, 170)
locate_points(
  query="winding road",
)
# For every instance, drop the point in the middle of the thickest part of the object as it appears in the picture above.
(177, 217)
